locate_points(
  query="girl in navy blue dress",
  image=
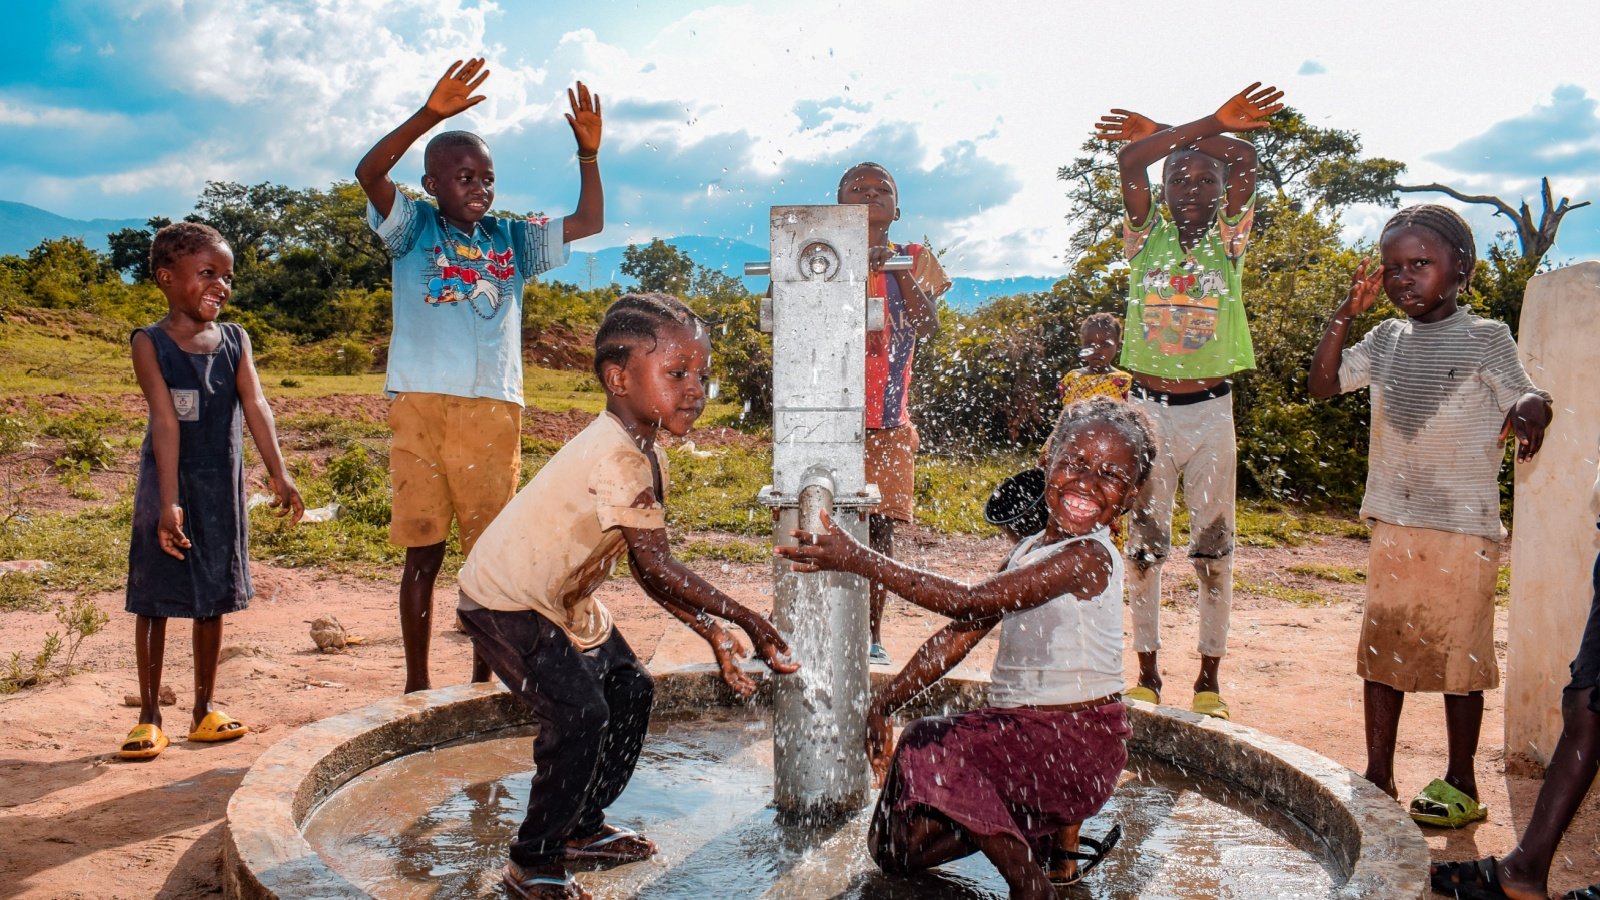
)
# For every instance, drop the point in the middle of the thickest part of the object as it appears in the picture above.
(189, 556)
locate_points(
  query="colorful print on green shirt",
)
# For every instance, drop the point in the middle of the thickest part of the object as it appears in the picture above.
(1186, 314)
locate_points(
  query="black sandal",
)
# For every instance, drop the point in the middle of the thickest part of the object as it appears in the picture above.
(1086, 861)
(1592, 892)
(1476, 879)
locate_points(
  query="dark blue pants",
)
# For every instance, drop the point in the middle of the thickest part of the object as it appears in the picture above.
(1586, 665)
(592, 709)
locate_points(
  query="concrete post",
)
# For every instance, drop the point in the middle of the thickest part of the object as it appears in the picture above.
(818, 320)
(1553, 540)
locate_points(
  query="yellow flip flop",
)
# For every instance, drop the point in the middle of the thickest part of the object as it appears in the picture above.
(1142, 694)
(1210, 703)
(214, 727)
(143, 734)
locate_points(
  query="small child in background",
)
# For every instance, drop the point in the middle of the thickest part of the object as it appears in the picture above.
(1447, 388)
(1014, 781)
(527, 594)
(189, 554)
(1100, 344)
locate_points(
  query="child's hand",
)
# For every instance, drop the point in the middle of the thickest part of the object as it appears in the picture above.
(877, 256)
(169, 533)
(1249, 109)
(831, 549)
(771, 648)
(1124, 125)
(585, 119)
(453, 94)
(1528, 418)
(880, 744)
(287, 499)
(730, 652)
(1364, 288)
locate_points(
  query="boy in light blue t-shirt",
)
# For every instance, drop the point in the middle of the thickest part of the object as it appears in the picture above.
(455, 356)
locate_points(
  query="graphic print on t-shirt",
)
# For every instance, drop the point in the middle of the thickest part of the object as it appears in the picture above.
(1180, 306)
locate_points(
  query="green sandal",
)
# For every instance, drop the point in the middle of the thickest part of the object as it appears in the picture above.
(1442, 806)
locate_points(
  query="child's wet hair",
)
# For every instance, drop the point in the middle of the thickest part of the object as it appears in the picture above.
(174, 242)
(1103, 321)
(1129, 420)
(635, 320)
(447, 141)
(845, 178)
(1447, 224)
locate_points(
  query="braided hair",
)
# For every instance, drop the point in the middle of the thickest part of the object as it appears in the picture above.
(449, 140)
(1447, 224)
(180, 239)
(634, 321)
(1128, 420)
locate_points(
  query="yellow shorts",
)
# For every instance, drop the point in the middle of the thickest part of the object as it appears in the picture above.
(453, 457)
(891, 464)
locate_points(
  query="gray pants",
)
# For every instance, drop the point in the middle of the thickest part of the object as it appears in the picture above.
(1195, 443)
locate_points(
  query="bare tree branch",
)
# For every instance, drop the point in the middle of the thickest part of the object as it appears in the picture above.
(1534, 240)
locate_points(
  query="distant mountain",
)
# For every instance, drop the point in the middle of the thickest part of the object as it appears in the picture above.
(22, 227)
(603, 267)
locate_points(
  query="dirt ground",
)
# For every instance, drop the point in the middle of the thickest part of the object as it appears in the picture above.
(81, 824)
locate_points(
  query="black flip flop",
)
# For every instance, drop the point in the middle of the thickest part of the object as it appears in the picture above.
(1086, 861)
(1476, 879)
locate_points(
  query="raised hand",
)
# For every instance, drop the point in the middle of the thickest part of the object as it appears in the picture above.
(453, 94)
(169, 533)
(584, 119)
(829, 549)
(1364, 287)
(1124, 125)
(1249, 109)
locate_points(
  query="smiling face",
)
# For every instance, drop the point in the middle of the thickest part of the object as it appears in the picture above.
(871, 187)
(1421, 273)
(198, 283)
(1192, 184)
(1091, 478)
(663, 386)
(461, 178)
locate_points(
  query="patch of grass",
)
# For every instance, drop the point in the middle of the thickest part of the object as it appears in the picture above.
(20, 590)
(1341, 574)
(1502, 587)
(725, 551)
(319, 430)
(1297, 596)
(1260, 523)
(718, 492)
(61, 352)
(951, 491)
(89, 548)
(294, 383)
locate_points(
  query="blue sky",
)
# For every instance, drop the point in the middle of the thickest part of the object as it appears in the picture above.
(124, 108)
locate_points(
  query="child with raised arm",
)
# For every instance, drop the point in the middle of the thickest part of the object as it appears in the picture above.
(189, 555)
(1186, 335)
(1447, 387)
(910, 313)
(972, 782)
(455, 357)
(527, 593)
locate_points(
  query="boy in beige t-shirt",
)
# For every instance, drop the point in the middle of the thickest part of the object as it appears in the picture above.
(527, 594)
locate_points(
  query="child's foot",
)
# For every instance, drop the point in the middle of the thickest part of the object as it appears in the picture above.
(218, 726)
(550, 882)
(1479, 878)
(611, 844)
(1142, 694)
(143, 742)
(877, 656)
(1443, 806)
(1210, 703)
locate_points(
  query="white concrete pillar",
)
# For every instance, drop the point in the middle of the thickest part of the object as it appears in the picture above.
(1554, 540)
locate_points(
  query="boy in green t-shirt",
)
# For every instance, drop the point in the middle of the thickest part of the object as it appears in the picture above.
(1186, 334)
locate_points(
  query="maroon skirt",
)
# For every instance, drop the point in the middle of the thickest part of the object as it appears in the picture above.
(1023, 772)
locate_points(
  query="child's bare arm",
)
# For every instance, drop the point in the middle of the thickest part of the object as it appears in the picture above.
(724, 646)
(1081, 569)
(1245, 111)
(264, 431)
(163, 443)
(590, 216)
(452, 95)
(663, 575)
(1365, 285)
(1528, 418)
(936, 657)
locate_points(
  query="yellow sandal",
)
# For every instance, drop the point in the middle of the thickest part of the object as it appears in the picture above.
(143, 734)
(215, 727)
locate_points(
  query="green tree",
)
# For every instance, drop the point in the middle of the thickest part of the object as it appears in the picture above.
(60, 272)
(659, 266)
(130, 248)
(741, 354)
(258, 220)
